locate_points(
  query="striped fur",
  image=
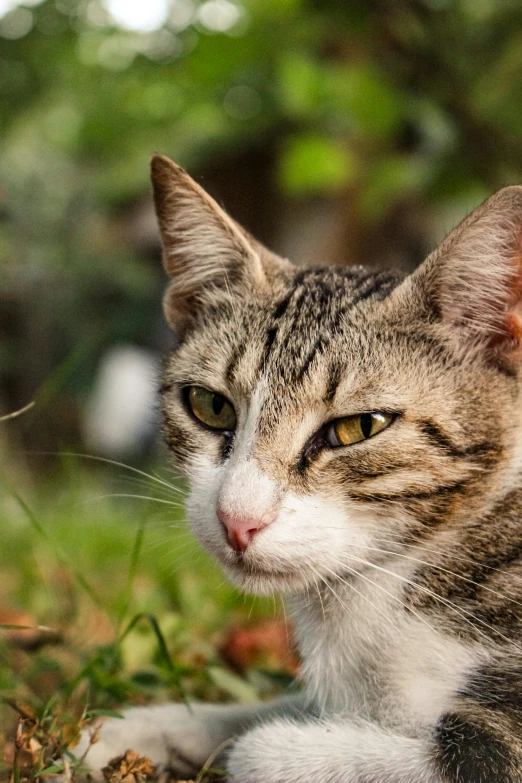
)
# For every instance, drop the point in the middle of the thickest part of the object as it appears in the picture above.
(400, 557)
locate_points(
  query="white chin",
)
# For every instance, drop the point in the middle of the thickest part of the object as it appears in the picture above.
(255, 581)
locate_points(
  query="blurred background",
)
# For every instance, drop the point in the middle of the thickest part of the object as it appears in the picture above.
(337, 132)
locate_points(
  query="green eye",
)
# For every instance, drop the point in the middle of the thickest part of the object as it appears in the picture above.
(353, 429)
(211, 408)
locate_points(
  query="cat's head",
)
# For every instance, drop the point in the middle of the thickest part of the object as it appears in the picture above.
(325, 416)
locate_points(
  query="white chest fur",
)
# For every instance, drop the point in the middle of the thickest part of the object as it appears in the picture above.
(365, 655)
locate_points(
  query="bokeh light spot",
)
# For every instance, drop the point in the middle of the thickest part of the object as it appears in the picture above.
(139, 15)
(9, 5)
(219, 15)
(16, 23)
(181, 14)
(116, 52)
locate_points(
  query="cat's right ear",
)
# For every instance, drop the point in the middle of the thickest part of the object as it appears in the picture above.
(204, 250)
(472, 283)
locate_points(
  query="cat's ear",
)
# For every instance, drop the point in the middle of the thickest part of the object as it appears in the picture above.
(473, 281)
(204, 250)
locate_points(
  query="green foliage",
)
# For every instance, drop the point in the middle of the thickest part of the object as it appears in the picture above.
(110, 595)
(314, 164)
(388, 108)
(412, 102)
(89, 100)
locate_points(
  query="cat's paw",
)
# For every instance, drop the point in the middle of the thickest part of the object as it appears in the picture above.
(171, 735)
(270, 753)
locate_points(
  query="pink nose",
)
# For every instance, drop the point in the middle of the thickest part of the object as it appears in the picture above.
(240, 529)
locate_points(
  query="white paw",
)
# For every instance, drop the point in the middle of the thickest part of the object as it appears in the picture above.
(271, 753)
(170, 735)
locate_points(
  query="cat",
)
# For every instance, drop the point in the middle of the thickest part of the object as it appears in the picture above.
(352, 440)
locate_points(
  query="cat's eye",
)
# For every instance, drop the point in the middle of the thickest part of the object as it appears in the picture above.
(211, 408)
(353, 429)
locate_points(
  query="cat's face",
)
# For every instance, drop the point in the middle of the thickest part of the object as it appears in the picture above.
(325, 417)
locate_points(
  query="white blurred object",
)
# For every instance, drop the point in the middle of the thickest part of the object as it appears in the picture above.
(143, 17)
(121, 413)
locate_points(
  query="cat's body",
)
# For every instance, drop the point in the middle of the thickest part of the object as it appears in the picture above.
(354, 441)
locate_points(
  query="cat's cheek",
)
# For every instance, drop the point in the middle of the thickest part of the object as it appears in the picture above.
(206, 479)
(312, 531)
(312, 538)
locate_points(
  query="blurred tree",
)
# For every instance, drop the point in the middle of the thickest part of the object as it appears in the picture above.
(353, 129)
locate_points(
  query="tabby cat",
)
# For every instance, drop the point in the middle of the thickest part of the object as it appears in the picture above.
(352, 440)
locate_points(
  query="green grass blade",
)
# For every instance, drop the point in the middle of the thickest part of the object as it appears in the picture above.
(162, 644)
(61, 374)
(133, 565)
(18, 627)
(60, 555)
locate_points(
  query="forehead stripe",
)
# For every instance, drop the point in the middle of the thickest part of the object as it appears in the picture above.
(317, 295)
(382, 284)
(277, 314)
(232, 363)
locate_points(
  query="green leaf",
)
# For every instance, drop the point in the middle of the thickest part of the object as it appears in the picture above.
(390, 180)
(300, 83)
(52, 770)
(133, 564)
(242, 691)
(16, 627)
(99, 713)
(372, 105)
(315, 164)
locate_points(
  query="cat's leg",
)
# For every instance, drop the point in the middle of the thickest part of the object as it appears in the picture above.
(177, 736)
(286, 751)
(464, 747)
(474, 744)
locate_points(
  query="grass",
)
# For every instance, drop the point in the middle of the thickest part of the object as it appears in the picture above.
(119, 605)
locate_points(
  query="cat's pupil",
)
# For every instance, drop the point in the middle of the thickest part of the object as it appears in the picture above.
(217, 403)
(366, 424)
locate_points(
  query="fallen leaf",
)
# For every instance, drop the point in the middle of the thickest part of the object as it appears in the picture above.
(130, 767)
(266, 644)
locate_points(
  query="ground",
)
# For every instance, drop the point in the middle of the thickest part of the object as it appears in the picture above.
(118, 606)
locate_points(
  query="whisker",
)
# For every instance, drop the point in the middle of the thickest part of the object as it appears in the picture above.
(195, 559)
(459, 610)
(150, 545)
(108, 462)
(448, 553)
(444, 570)
(174, 473)
(316, 583)
(158, 521)
(140, 482)
(283, 607)
(327, 584)
(315, 694)
(138, 497)
(374, 584)
(178, 556)
(166, 560)
(223, 582)
(400, 541)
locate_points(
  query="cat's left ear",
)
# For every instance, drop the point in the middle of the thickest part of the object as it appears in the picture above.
(473, 281)
(204, 251)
